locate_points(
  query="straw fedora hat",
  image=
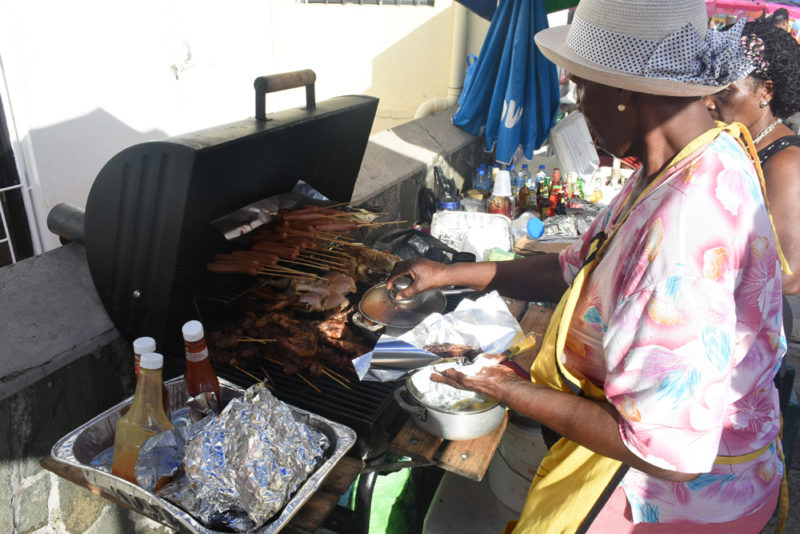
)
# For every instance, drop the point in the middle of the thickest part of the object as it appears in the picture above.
(647, 46)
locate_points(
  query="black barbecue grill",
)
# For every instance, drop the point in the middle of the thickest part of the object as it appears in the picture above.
(148, 235)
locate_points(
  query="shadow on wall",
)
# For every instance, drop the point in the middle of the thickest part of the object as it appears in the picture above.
(403, 83)
(70, 154)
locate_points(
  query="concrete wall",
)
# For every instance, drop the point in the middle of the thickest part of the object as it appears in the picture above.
(33, 419)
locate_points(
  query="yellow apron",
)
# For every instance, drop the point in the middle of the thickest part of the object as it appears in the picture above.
(572, 482)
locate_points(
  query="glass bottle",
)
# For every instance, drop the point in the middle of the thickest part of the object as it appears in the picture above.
(145, 419)
(542, 199)
(199, 376)
(143, 345)
(501, 200)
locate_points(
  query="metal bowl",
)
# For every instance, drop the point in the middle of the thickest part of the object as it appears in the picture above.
(468, 418)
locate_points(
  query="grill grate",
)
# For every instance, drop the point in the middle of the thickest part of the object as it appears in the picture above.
(366, 407)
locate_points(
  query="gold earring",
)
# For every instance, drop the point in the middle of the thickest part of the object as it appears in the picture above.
(621, 107)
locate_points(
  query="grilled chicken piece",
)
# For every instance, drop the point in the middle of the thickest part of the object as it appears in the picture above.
(300, 342)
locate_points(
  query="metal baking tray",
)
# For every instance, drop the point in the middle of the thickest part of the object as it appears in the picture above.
(87, 442)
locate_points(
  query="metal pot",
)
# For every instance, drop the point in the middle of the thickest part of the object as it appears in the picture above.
(379, 312)
(470, 419)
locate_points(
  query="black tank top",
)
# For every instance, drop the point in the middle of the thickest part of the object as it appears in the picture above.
(776, 146)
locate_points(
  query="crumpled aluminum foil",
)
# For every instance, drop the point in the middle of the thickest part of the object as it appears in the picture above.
(248, 460)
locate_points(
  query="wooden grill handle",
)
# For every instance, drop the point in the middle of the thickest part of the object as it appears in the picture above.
(281, 82)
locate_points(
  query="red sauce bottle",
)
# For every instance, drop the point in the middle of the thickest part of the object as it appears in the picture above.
(199, 376)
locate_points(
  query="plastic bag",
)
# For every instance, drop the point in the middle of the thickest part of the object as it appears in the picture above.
(411, 243)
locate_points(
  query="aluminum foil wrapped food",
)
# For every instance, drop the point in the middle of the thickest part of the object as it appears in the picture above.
(243, 466)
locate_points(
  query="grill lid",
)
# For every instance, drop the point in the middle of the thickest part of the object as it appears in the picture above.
(147, 225)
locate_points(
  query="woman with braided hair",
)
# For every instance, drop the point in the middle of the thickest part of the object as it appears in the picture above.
(761, 101)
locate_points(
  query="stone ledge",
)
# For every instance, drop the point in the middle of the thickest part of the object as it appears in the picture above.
(50, 315)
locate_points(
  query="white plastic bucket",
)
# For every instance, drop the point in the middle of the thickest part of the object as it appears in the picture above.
(514, 464)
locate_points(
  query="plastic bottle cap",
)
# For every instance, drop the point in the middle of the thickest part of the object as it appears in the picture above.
(542, 167)
(193, 331)
(151, 360)
(502, 184)
(535, 228)
(143, 345)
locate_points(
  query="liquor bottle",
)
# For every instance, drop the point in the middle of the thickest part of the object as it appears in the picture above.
(145, 419)
(525, 189)
(542, 199)
(143, 345)
(555, 192)
(501, 200)
(515, 184)
(199, 376)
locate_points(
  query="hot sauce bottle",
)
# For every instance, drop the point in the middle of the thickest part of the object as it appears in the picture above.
(199, 376)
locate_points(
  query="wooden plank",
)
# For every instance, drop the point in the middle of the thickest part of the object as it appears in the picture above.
(314, 512)
(342, 475)
(414, 442)
(470, 458)
(536, 319)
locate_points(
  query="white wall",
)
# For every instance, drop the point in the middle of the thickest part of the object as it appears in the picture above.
(82, 80)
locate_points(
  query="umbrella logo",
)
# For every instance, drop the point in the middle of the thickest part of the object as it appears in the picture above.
(511, 113)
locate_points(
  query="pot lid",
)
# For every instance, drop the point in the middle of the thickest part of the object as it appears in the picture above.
(379, 306)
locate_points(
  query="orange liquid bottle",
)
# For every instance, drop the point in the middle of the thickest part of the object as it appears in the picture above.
(143, 345)
(145, 419)
(199, 376)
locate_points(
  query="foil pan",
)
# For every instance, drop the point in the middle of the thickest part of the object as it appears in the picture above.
(84, 444)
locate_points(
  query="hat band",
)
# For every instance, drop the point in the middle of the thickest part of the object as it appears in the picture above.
(609, 48)
(685, 56)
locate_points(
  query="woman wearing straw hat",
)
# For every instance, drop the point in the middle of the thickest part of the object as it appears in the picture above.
(657, 366)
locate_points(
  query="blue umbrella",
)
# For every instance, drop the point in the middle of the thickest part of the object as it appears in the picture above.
(512, 94)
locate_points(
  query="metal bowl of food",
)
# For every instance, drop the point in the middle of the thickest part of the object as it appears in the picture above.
(446, 411)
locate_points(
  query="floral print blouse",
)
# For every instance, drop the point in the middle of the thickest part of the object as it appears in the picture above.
(680, 323)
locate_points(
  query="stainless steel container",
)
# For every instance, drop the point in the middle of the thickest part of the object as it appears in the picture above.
(471, 419)
(82, 445)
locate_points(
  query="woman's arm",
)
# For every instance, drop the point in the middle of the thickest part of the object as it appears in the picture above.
(535, 278)
(590, 423)
(782, 177)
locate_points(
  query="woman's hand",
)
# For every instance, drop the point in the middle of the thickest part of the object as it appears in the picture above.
(494, 380)
(425, 274)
